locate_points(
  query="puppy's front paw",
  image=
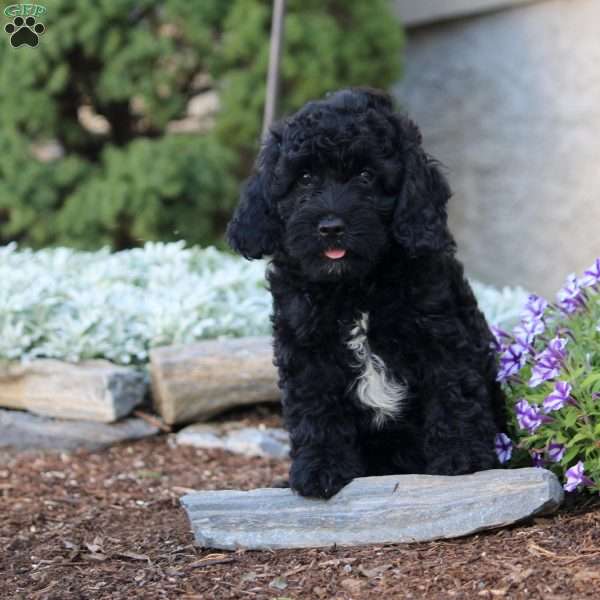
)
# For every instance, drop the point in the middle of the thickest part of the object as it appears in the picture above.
(317, 481)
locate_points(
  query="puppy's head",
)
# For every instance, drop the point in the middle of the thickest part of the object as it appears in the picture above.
(336, 184)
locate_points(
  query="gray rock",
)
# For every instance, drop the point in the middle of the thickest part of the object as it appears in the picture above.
(93, 390)
(373, 510)
(249, 441)
(24, 431)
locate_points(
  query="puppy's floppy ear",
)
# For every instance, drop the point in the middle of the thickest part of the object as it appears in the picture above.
(420, 218)
(255, 228)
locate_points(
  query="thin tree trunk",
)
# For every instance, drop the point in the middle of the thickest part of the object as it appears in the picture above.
(277, 30)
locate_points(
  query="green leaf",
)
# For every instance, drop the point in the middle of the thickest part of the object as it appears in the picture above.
(581, 436)
(570, 418)
(591, 380)
(570, 454)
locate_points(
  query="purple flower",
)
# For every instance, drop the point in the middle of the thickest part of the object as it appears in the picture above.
(591, 277)
(512, 360)
(556, 451)
(525, 332)
(570, 297)
(535, 308)
(559, 397)
(556, 348)
(549, 362)
(575, 477)
(499, 336)
(563, 330)
(528, 416)
(537, 459)
(543, 370)
(503, 446)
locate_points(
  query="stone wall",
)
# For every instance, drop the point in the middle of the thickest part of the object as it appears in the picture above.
(418, 12)
(510, 102)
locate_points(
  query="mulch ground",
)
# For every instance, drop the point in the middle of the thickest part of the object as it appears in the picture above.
(108, 525)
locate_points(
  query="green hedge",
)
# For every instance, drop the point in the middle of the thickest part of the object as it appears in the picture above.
(136, 63)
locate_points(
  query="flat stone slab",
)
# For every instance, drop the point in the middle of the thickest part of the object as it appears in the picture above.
(372, 510)
(197, 381)
(94, 390)
(270, 442)
(24, 431)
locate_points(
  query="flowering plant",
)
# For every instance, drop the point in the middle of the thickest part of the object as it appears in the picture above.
(550, 369)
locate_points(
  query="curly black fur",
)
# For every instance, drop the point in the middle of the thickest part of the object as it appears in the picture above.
(348, 177)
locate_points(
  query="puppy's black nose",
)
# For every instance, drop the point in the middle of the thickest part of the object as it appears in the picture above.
(331, 227)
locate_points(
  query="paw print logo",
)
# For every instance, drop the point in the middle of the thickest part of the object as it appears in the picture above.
(24, 32)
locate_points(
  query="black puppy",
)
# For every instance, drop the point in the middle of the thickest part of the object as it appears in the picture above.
(385, 362)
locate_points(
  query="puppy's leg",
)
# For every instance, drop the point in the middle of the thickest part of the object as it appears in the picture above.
(325, 453)
(460, 428)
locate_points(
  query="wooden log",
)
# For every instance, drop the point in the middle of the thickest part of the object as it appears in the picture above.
(198, 381)
(372, 510)
(94, 390)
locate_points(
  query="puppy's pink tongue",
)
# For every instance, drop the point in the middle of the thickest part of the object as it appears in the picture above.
(335, 254)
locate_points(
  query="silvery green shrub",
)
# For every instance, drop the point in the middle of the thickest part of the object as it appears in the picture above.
(73, 305)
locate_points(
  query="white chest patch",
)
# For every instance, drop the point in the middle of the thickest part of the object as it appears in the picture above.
(374, 386)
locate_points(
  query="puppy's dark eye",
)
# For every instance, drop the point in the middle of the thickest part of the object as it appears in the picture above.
(366, 177)
(306, 178)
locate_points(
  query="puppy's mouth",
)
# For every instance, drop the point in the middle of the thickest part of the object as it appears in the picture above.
(335, 253)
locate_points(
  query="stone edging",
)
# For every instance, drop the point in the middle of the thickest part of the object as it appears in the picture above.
(414, 13)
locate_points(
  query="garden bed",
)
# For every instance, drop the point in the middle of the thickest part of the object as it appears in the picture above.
(108, 525)
(162, 312)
